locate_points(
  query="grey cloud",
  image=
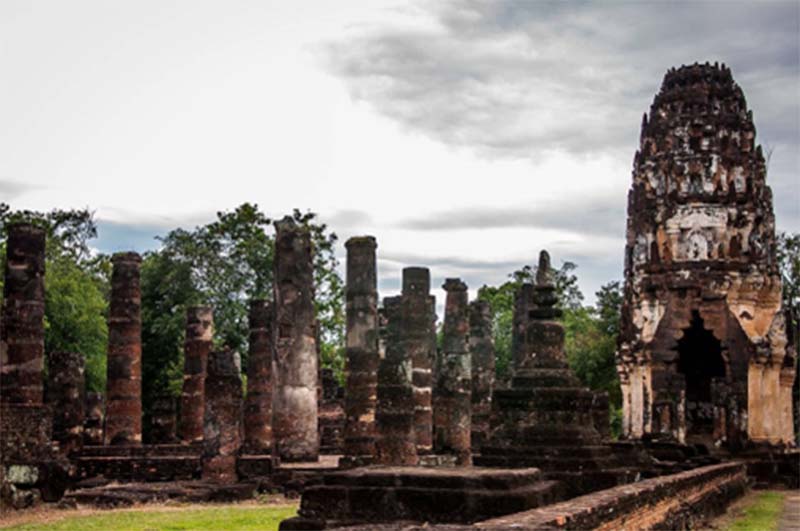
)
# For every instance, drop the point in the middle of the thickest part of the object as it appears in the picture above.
(599, 217)
(10, 190)
(521, 78)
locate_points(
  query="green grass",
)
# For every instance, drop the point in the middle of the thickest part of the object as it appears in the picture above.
(762, 515)
(223, 518)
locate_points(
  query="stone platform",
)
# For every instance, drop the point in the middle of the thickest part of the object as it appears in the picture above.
(374, 495)
(127, 494)
(156, 462)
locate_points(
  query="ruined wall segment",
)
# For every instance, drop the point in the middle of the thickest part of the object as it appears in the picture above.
(196, 349)
(417, 309)
(258, 406)
(481, 347)
(362, 348)
(453, 391)
(22, 331)
(295, 407)
(222, 429)
(396, 442)
(67, 398)
(700, 269)
(123, 423)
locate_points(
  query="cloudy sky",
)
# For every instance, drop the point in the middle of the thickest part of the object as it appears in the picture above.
(464, 135)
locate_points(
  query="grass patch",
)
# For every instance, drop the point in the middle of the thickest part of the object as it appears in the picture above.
(761, 515)
(222, 518)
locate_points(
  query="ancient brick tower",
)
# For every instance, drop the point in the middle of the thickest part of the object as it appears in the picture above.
(703, 355)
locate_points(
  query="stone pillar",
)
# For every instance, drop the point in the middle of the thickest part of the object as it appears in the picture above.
(295, 406)
(481, 348)
(394, 416)
(523, 302)
(222, 430)
(416, 315)
(196, 349)
(258, 406)
(124, 371)
(95, 416)
(453, 392)
(362, 348)
(22, 331)
(67, 400)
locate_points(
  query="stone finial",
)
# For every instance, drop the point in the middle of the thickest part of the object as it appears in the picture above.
(544, 273)
(416, 280)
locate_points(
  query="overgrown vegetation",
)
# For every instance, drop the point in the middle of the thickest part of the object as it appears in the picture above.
(763, 514)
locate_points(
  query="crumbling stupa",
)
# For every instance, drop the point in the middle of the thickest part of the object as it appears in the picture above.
(703, 355)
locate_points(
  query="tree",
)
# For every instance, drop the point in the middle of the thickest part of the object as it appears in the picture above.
(76, 283)
(788, 254)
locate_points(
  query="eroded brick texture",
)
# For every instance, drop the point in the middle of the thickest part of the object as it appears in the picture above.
(703, 355)
(196, 349)
(481, 347)
(222, 432)
(453, 391)
(66, 397)
(331, 414)
(95, 417)
(417, 313)
(164, 419)
(295, 406)
(396, 442)
(124, 371)
(258, 405)
(22, 331)
(362, 348)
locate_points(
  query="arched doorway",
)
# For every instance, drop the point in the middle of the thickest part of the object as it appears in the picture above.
(700, 361)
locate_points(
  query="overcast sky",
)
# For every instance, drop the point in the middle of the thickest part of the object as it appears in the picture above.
(464, 135)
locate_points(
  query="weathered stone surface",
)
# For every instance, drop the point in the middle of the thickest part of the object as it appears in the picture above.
(258, 405)
(703, 355)
(149, 462)
(452, 394)
(295, 408)
(95, 415)
(417, 313)
(395, 411)
(164, 420)
(222, 430)
(67, 400)
(22, 325)
(331, 414)
(118, 495)
(362, 333)
(481, 347)
(196, 349)
(372, 495)
(123, 423)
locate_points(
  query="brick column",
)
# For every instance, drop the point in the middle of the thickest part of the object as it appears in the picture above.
(452, 394)
(258, 406)
(295, 407)
(362, 347)
(22, 331)
(196, 349)
(66, 396)
(481, 347)
(417, 317)
(394, 416)
(222, 429)
(124, 380)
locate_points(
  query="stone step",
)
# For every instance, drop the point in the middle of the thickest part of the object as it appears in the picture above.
(587, 451)
(145, 450)
(160, 468)
(377, 495)
(129, 494)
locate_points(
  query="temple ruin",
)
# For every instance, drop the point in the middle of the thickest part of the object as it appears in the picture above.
(425, 436)
(703, 355)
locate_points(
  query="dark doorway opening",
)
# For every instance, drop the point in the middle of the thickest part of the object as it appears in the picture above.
(700, 361)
